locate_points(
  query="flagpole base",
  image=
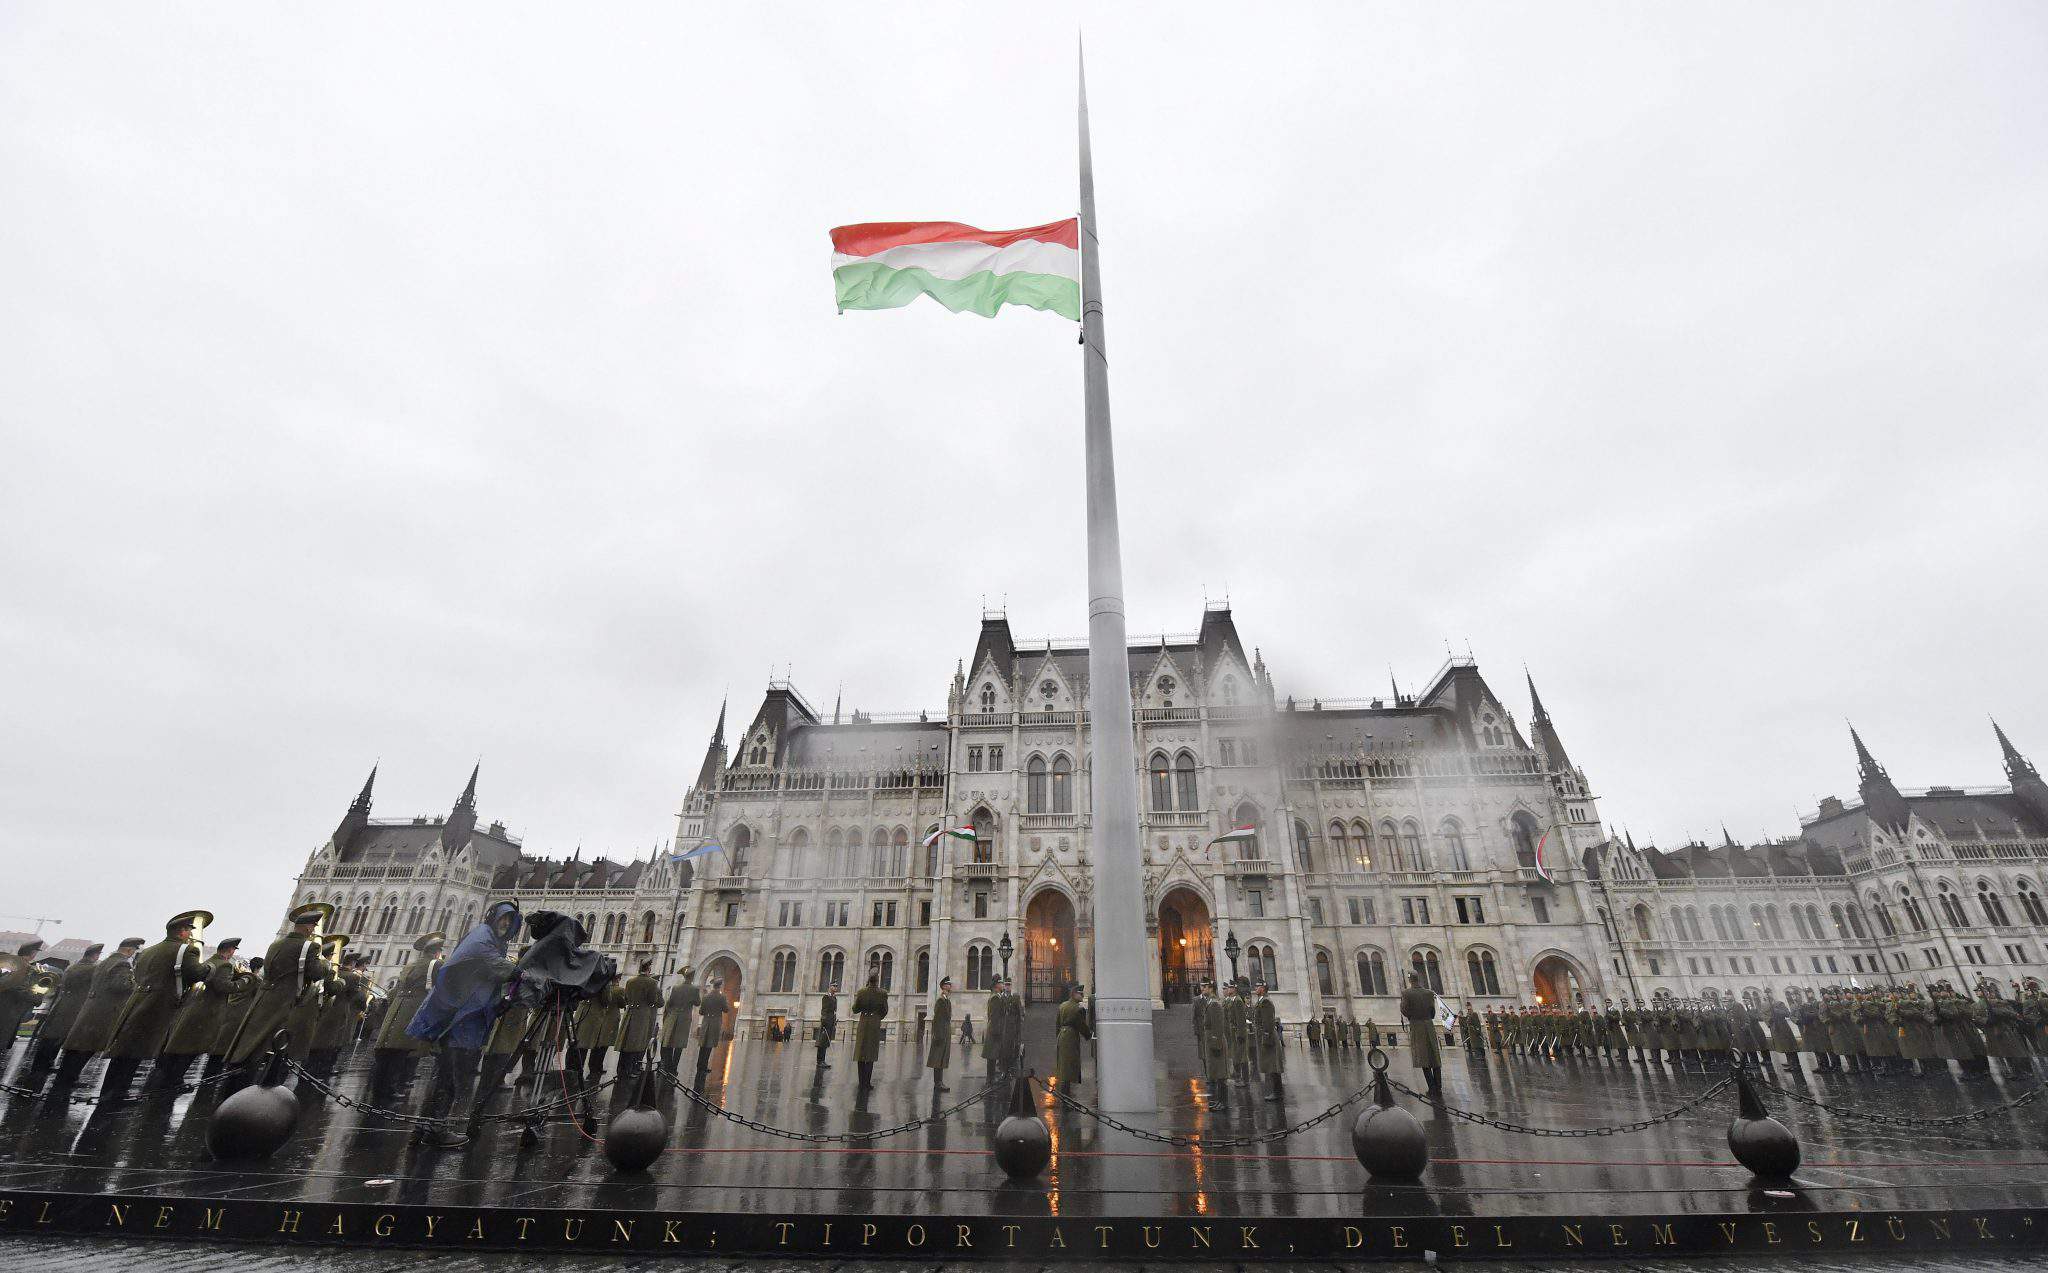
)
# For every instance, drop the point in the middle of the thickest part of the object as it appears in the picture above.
(1123, 1050)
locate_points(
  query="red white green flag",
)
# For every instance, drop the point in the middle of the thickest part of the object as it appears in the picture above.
(958, 833)
(1244, 833)
(887, 264)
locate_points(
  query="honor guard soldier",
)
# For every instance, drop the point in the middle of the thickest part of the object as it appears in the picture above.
(1783, 1041)
(676, 1017)
(1212, 1045)
(1071, 1025)
(940, 1050)
(1268, 1044)
(293, 969)
(73, 990)
(643, 1009)
(870, 1005)
(1418, 1009)
(22, 985)
(1237, 1029)
(397, 1053)
(597, 1028)
(712, 1033)
(164, 974)
(1315, 1033)
(828, 1023)
(1005, 1042)
(198, 1023)
(94, 1029)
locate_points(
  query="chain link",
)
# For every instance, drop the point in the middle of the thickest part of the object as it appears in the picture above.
(2025, 1098)
(537, 1112)
(824, 1138)
(1199, 1141)
(1569, 1133)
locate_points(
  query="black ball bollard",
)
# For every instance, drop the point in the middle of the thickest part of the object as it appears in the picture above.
(637, 1134)
(1759, 1142)
(1387, 1139)
(1023, 1144)
(256, 1121)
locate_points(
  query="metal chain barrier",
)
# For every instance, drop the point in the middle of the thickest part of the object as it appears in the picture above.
(76, 1098)
(332, 1093)
(1619, 1129)
(825, 1138)
(1199, 1141)
(2025, 1098)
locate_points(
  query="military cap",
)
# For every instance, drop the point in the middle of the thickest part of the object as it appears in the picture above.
(230, 944)
(945, 981)
(30, 947)
(428, 941)
(92, 950)
(311, 913)
(133, 943)
(193, 919)
(334, 940)
(256, 964)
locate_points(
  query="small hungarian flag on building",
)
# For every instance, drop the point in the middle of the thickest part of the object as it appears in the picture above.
(1238, 835)
(958, 833)
(887, 264)
(1542, 863)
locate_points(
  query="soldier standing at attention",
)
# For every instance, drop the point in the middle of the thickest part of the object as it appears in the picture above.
(163, 974)
(1237, 1026)
(1267, 1041)
(199, 1019)
(870, 1005)
(1072, 1026)
(828, 1023)
(643, 1005)
(675, 1019)
(713, 1009)
(941, 1047)
(72, 993)
(1418, 1009)
(1315, 1033)
(597, 1027)
(398, 1053)
(94, 1029)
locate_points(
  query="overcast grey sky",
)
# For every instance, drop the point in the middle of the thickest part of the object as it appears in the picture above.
(417, 383)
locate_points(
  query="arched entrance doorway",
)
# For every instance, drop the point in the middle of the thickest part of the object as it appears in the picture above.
(1556, 981)
(727, 973)
(1048, 947)
(1185, 956)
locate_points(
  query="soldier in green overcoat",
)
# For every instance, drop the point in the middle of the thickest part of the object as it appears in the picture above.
(677, 1015)
(1418, 1010)
(711, 1010)
(1071, 1025)
(1237, 1030)
(94, 1028)
(870, 1005)
(199, 1018)
(1268, 1043)
(939, 1051)
(1005, 1029)
(828, 1026)
(597, 1028)
(21, 988)
(164, 974)
(1213, 1045)
(348, 996)
(294, 968)
(74, 988)
(638, 1031)
(397, 1054)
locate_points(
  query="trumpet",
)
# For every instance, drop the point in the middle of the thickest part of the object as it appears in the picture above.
(42, 983)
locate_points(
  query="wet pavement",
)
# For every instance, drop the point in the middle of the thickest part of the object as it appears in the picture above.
(156, 1148)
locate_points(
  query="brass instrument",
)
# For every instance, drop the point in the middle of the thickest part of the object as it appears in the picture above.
(43, 982)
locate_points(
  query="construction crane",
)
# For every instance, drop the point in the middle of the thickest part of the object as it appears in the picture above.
(37, 920)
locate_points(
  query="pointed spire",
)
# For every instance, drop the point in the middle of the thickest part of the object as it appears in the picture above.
(468, 797)
(1630, 837)
(1535, 700)
(837, 697)
(1544, 732)
(1395, 684)
(1881, 798)
(455, 832)
(718, 730)
(355, 821)
(1865, 762)
(363, 799)
(2027, 786)
(2015, 764)
(714, 755)
(1727, 840)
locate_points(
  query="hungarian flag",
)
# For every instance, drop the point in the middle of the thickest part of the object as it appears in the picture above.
(1543, 862)
(1238, 835)
(958, 833)
(887, 264)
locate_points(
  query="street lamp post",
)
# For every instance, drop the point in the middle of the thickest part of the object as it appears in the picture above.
(1006, 948)
(1230, 950)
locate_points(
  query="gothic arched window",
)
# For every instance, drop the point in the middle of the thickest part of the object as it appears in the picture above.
(1161, 771)
(1485, 976)
(2030, 903)
(1184, 782)
(1454, 845)
(1326, 981)
(1424, 964)
(1062, 785)
(1302, 859)
(1411, 842)
(1372, 973)
(988, 699)
(831, 970)
(1035, 786)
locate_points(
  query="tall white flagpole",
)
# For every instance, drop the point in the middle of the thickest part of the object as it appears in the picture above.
(1123, 984)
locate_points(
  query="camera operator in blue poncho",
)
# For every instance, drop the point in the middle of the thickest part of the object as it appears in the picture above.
(456, 1018)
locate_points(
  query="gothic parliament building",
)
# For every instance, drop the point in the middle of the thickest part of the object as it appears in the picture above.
(1426, 833)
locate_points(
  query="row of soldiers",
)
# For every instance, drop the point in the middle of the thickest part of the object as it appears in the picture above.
(1342, 1034)
(1238, 1036)
(1844, 1029)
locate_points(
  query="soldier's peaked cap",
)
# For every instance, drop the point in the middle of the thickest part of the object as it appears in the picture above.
(427, 941)
(133, 943)
(92, 950)
(196, 919)
(311, 913)
(28, 948)
(230, 944)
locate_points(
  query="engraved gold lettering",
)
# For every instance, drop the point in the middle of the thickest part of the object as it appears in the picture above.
(1614, 1237)
(1896, 1227)
(6, 1205)
(572, 1229)
(382, 1227)
(1574, 1234)
(914, 1235)
(782, 1228)
(1727, 1228)
(1856, 1231)
(1661, 1235)
(828, 1234)
(118, 1216)
(965, 1237)
(1983, 1227)
(1940, 1227)
(1500, 1240)
(867, 1234)
(1400, 1237)
(213, 1218)
(1771, 1232)
(1010, 1229)
(1458, 1236)
(1353, 1239)
(622, 1230)
(163, 1217)
(1813, 1230)
(1058, 1239)
(1201, 1233)
(1246, 1239)
(1151, 1233)
(668, 1232)
(523, 1221)
(476, 1229)
(338, 1229)
(288, 1222)
(431, 1222)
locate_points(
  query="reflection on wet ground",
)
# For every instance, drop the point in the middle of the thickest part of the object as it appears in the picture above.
(1681, 1167)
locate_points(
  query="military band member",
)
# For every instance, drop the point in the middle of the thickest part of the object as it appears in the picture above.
(164, 973)
(1418, 1010)
(293, 969)
(198, 1022)
(19, 992)
(94, 1029)
(870, 1005)
(828, 1024)
(642, 996)
(940, 1050)
(346, 995)
(74, 989)
(1268, 1043)
(1071, 1025)
(712, 1010)
(397, 1054)
(676, 1017)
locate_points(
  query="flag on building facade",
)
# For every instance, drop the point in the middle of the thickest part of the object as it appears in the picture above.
(1244, 834)
(697, 852)
(958, 833)
(1542, 862)
(887, 264)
